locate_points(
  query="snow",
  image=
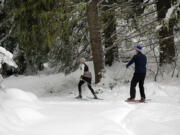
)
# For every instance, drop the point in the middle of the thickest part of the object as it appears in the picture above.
(158, 27)
(169, 13)
(17, 110)
(7, 57)
(45, 104)
(2, 2)
(7, 53)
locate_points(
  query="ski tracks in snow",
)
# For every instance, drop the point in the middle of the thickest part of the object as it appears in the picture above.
(107, 118)
(120, 116)
(139, 119)
(84, 118)
(62, 116)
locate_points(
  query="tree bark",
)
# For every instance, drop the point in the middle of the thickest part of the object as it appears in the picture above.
(95, 39)
(166, 35)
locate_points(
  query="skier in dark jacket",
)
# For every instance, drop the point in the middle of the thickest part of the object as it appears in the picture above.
(85, 77)
(140, 61)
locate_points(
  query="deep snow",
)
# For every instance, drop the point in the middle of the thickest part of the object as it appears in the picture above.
(45, 105)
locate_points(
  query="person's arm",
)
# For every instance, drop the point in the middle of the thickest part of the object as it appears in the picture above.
(82, 69)
(131, 62)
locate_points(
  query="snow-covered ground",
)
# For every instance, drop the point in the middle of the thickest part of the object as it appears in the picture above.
(45, 105)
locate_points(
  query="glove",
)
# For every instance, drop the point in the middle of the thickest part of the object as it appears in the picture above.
(81, 77)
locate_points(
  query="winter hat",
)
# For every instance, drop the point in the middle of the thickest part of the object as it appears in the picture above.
(82, 60)
(139, 48)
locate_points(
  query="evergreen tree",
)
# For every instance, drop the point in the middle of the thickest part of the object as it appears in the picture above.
(6, 28)
(166, 35)
(36, 27)
(72, 43)
(109, 28)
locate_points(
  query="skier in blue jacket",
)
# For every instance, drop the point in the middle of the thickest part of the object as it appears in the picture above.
(140, 61)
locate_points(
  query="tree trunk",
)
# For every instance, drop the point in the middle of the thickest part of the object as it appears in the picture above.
(109, 21)
(95, 38)
(166, 35)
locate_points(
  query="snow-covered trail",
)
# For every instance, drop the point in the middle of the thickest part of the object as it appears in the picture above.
(79, 118)
(69, 117)
(22, 113)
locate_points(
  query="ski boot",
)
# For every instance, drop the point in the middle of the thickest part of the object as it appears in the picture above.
(142, 100)
(95, 97)
(130, 99)
(79, 97)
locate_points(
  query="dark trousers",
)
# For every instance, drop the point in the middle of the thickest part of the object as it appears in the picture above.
(82, 81)
(137, 78)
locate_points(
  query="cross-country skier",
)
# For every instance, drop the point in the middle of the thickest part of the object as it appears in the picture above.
(5, 57)
(86, 77)
(140, 61)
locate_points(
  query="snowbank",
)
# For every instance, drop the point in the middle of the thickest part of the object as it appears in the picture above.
(116, 77)
(45, 84)
(17, 110)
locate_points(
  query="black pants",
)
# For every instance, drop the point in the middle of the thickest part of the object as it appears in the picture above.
(137, 78)
(82, 81)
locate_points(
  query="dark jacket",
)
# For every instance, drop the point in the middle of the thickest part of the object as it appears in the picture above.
(85, 71)
(140, 61)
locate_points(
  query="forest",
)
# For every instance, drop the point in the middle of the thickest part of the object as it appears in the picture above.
(60, 32)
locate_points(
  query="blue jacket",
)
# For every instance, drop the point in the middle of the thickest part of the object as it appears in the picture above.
(140, 61)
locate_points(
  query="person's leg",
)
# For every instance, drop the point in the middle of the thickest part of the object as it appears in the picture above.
(88, 80)
(141, 86)
(134, 82)
(81, 82)
(92, 90)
